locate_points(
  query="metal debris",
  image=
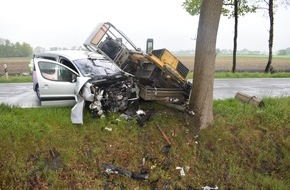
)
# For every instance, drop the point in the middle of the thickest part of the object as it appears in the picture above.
(210, 188)
(182, 173)
(111, 169)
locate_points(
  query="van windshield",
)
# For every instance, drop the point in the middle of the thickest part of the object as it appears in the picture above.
(96, 67)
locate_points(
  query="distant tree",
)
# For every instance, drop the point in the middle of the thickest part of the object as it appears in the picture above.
(271, 5)
(288, 51)
(270, 8)
(53, 48)
(7, 42)
(282, 52)
(201, 100)
(38, 49)
(2, 41)
(26, 50)
(17, 52)
(8, 49)
(240, 8)
(218, 51)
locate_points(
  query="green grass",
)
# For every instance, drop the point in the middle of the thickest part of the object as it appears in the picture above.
(238, 56)
(15, 79)
(19, 79)
(247, 148)
(252, 75)
(247, 75)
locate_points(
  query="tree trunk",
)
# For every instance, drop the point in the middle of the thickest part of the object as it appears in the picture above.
(235, 36)
(271, 36)
(201, 100)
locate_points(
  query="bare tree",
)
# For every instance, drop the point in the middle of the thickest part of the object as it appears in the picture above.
(236, 16)
(240, 8)
(201, 100)
(271, 34)
(271, 5)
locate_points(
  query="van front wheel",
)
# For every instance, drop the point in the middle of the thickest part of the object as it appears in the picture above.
(37, 91)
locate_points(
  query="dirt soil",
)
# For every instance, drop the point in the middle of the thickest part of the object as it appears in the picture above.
(15, 66)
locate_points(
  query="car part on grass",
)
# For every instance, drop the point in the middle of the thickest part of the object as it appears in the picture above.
(164, 135)
(160, 74)
(247, 99)
(210, 188)
(111, 169)
(171, 103)
(182, 173)
(143, 117)
(82, 93)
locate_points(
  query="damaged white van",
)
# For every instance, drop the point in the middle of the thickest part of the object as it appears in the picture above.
(83, 76)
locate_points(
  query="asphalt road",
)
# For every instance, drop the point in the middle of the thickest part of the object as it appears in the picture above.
(22, 94)
(18, 94)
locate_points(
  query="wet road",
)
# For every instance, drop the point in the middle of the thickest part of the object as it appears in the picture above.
(18, 94)
(263, 87)
(22, 94)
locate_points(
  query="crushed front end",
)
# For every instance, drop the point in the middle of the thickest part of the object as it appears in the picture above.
(114, 96)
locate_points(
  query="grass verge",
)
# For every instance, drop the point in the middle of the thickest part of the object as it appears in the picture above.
(15, 79)
(247, 75)
(247, 148)
(19, 79)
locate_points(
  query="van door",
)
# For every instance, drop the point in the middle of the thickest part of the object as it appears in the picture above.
(56, 81)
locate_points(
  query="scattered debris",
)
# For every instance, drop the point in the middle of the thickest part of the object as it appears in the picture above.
(182, 173)
(140, 112)
(111, 169)
(125, 116)
(108, 129)
(210, 188)
(183, 108)
(183, 170)
(142, 118)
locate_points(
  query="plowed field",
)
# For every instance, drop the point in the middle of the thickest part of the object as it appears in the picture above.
(18, 66)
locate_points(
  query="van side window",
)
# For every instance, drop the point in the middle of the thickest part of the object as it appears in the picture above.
(68, 64)
(55, 72)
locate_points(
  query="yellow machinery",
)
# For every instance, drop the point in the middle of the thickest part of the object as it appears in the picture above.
(159, 73)
(167, 62)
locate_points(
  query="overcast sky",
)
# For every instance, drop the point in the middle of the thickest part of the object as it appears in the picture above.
(67, 23)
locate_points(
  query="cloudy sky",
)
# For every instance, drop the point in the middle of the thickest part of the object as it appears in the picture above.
(67, 23)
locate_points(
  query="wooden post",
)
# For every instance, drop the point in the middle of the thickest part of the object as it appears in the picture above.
(6, 71)
(249, 99)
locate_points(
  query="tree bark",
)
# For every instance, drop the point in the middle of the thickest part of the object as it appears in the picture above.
(271, 36)
(235, 36)
(201, 100)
